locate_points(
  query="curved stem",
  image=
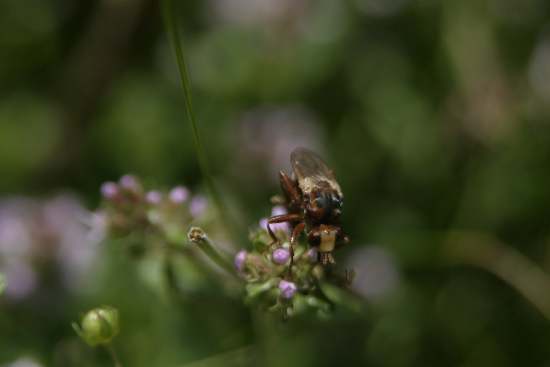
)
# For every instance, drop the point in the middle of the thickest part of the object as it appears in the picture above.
(487, 252)
(168, 13)
(199, 238)
(113, 355)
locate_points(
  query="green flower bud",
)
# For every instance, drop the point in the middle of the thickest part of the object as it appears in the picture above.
(99, 326)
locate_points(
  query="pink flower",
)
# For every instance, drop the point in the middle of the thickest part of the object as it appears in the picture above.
(240, 260)
(129, 182)
(275, 227)
(109, 190)
(179, 195)
(198, 206)
(280, 256)
(287, 289)
(153, 197)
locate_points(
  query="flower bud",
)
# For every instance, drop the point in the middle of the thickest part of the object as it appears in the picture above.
(109, 190)
(130, 183)
(276, 227)
(198, 206)
(240, 260)
(196, 235)
(153, 197)
(280, 256)
(98, 326)
(287, 289)
(179, 195)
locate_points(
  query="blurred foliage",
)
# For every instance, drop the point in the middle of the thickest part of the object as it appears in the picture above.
(434, 115)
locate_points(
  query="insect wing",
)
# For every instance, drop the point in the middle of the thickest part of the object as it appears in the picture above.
(311, 171)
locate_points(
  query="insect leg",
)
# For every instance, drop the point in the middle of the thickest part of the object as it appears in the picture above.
(290, 189)
(293, 238)
(280, 219)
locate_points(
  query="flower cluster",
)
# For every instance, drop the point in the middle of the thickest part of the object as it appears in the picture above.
(276, 277)
(130, 209)
(276, 282)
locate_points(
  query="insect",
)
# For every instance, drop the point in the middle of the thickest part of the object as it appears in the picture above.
(314, 202)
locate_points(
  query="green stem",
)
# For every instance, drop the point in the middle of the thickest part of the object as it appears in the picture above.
(113, 355)
(201, 240)
(190, 256)
(210, 251)
(170, 23)
(487, 252)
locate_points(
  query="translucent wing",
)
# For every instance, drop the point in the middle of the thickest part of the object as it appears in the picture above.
(311, 171)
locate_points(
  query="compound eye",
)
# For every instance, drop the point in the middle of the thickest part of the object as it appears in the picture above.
(322, 202)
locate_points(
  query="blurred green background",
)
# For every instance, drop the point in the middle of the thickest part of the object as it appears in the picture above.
(434, 115)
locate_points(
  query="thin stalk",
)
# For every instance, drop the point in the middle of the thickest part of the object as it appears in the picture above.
(170, 23)
(190, 256)
(201, 240)
(113, 355)
(487, 252)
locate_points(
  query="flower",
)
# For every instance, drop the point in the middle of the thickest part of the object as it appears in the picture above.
(153, 197)
(287, 289)
(130, 183)
(98, 326)
(263, 223)
(198, 206)
(109, 190)
(275, 227)
(280, 256)
(179, 195)
(279, 210)
(240, 260)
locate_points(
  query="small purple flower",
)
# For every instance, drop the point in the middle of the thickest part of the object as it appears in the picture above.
(263, 223)
(240, 259)
(287, 289)
(279, 210)
(198, 206)
(280, 256)
(153, 197)
(179, 195)
(129, 182)
(109, 190)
